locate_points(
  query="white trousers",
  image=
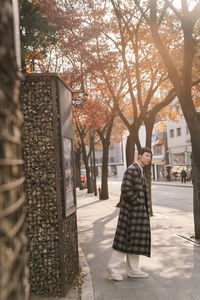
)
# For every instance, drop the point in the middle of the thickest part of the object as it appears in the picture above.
(117, 257)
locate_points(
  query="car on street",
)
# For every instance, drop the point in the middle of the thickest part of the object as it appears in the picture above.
(83, 176)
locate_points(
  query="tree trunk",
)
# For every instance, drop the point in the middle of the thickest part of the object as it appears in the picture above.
(192, 118)
(89, 181)
(14, 272)
(149, 130)
(85, 159)
(147, 171)
(106, 143)
(195, 134)
(78, 169)
(104, 176)
(183, 91)
(94, 169)
(91, 161)
(130, 149)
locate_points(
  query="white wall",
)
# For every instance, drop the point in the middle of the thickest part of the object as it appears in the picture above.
(178, 143)
(142, 136)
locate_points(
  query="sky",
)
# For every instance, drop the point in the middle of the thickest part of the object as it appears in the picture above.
(177, 3)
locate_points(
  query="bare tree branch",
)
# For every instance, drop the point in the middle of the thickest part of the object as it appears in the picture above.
(184, 7)
(179, 16)
(172, 70)
(195, 13)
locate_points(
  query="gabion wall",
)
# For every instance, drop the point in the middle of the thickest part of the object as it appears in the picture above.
(52, 238)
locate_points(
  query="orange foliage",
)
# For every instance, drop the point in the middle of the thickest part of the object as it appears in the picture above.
(93, 114)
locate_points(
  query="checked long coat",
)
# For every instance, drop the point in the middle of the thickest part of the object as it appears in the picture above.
(133, 233)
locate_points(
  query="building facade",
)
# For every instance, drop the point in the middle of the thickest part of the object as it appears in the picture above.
(116, 160)
(171, 147)
(117, 155)
(159, 149)
(179, 148)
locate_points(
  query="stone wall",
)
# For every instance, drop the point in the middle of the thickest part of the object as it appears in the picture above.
(52, 238)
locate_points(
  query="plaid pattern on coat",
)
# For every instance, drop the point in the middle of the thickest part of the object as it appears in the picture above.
(133, 234)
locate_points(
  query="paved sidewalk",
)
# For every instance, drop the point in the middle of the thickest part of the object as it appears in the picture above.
(174, 268)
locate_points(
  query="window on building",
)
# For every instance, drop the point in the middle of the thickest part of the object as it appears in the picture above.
(171, 133)
(178, 158)
(187, 130)
(112, 159)
(157, 150)
(97, 160)
(178, 131)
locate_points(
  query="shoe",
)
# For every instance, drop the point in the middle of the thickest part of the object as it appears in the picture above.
(114, 275)
(138, 274)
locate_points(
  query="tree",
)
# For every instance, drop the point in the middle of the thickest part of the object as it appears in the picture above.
(99, 117)
(80, 121)
(131, 81)
(77, 152)
(181, 72)
(120, 64)
(57, 35)
(37, 35)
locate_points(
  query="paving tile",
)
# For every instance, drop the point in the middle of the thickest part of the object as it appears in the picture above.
(140, 297)
(112, 293)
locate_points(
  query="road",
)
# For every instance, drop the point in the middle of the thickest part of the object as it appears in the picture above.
(180, 198)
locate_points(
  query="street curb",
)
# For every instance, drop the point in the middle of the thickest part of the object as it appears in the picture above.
(87, 292)
(172, 184)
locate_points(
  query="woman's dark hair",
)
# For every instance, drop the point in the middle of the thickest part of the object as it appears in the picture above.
(145, 149)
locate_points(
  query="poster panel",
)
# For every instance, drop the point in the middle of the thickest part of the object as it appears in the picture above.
(70, 200)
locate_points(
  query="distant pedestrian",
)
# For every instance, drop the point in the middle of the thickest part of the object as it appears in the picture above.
(168, 175)
(183, 176)
(133, 234)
